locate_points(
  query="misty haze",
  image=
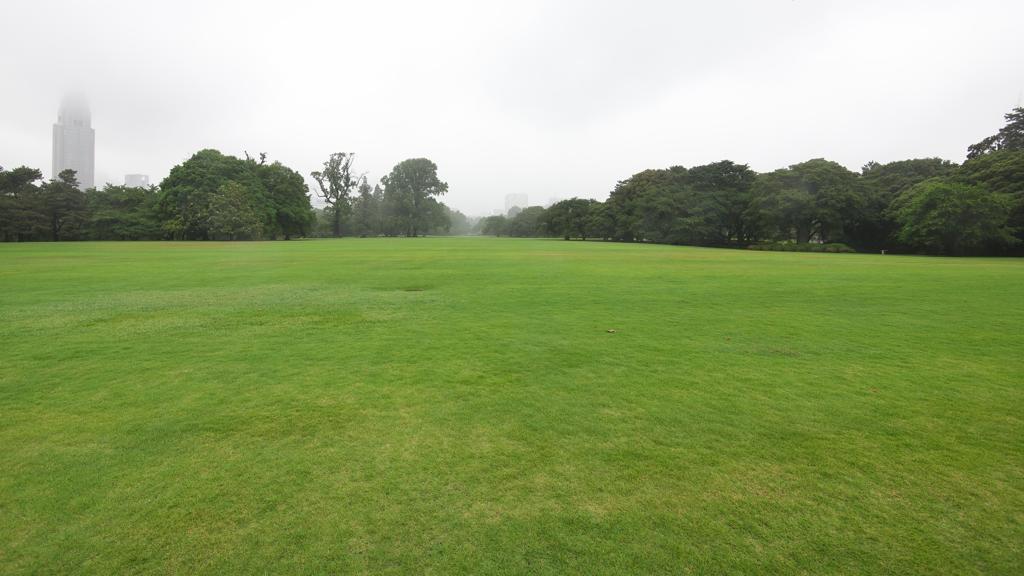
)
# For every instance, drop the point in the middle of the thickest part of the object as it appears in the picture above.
(512, 287)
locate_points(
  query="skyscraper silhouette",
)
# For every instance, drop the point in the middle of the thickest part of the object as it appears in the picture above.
(74, 141)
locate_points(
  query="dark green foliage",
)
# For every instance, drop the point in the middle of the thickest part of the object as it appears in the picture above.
(813, 203)
(1010, 137)
(725, 204)
(409, 197)
(569, 218)
(434, 217)
(670, 216)
(64, 207)
(944, 217)
(380, 216)
(648, 205)
(810, 200)
(232, 214)
(527, 223)
(208, 196)
(835, 247)
(600, 222)
(288, 196)
(714, 204)
(336, 183)
(193, 199)
(875, 229)
(817, 206)
(22, 216)
(365, 209)
(123, 213)
(186, 192)
(494, 226)
(893, 178)
(1001, 172)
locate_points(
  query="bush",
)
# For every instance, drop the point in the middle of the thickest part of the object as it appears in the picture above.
(833, 248)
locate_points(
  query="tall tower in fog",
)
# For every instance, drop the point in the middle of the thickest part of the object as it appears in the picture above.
(74, 141)
(516, 200)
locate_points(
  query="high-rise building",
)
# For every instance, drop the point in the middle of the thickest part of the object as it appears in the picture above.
(136, 180)
(74, 141)
(518, 200)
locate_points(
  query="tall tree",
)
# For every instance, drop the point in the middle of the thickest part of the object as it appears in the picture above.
(64, 205)
(875, 229)
(232, 214)
(1009, 137)
(123, 213)
(646, 206)
(569, 218)
(382, 217)
(410, 190)
(528, 223)
(276, 194)
(945, 217)
(1001, 172)
(336, 182)
(435, 217)
(600, 223)
(185, 195)
(22, 214)
(671, 216)
(811, 200)
(786, 205)
(288, 196)
(364, 211)
(493, 226)
(725, 202)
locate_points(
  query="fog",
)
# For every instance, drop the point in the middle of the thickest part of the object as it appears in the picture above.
(551, 99)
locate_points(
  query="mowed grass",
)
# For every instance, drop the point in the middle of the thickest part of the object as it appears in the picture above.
(449, 406)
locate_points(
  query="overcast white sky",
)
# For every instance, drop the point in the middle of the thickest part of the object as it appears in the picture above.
(554, 99)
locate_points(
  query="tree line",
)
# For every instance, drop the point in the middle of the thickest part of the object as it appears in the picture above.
(404, 202)
(924, 205)
(213, 196)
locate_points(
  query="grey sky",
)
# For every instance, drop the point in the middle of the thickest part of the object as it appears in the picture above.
(554, 99)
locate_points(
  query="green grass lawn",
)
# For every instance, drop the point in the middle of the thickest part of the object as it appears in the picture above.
(458, 405)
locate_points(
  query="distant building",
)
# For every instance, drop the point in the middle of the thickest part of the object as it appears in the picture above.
(136, 180)
(74, 142)
(518, 200)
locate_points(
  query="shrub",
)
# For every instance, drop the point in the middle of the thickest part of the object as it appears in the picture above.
(833, 248)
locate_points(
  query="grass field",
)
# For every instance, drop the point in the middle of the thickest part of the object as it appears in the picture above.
(458, 405)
